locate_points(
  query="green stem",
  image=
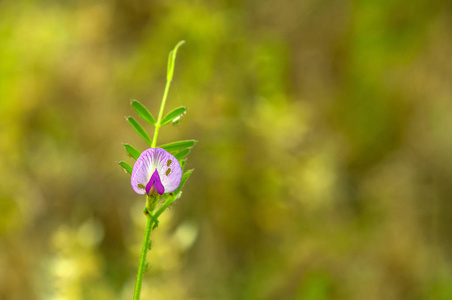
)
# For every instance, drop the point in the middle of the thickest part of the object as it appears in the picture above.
(144, 250)
(150, 205)
(169, 78)
(159, 119)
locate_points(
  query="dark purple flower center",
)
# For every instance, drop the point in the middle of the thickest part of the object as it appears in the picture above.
(155, 184)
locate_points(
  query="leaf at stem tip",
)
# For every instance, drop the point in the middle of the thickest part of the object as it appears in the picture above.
(171, 60)
(132, 151)
(143, 112)
(126, 167)
(174, 114)
(171, 147)
(181, 154)
(170, 69)
(139, 129)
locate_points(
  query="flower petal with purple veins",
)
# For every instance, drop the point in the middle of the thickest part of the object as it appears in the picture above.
(156, 170)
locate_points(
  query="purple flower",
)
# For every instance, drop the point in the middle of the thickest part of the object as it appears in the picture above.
(156, 171)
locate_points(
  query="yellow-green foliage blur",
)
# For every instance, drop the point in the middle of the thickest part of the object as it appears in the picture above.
(323, 168)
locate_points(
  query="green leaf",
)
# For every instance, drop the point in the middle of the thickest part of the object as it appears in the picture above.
(170, 69)
(173, 115)
(126, 167)
(169, 199)
(143, 112)
(176, 120)
(173, 196)
(132, 151)
(171, 147)
(139, 129)
(181, 154)
(184, 179)
(182, 164)
(171, 60)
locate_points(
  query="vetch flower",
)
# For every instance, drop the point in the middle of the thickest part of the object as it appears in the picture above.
(156, 171)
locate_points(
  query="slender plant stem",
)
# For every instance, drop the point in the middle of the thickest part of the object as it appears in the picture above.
(152, 202)
(144, 250)
(169, 78)
(149, 208)
(159, 119)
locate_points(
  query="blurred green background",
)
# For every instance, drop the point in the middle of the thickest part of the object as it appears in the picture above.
(323, 168)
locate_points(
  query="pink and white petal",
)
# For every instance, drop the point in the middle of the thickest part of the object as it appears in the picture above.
(169, 169)
(142, 171)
